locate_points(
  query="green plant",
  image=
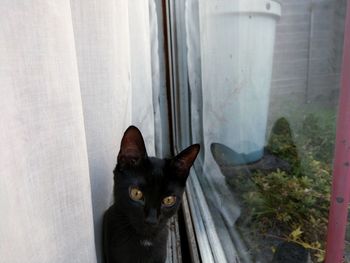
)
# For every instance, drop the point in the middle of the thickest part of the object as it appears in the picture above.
(286, 202)
(317, 134)
(295, 204)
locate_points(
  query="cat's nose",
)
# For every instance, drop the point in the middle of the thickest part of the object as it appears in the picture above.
(151, 218)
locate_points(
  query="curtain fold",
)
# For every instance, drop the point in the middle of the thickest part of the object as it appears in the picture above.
(73, 76)
(142, 109)
(101, 30)
(45, 200)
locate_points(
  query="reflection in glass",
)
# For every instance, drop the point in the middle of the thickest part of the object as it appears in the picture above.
(264, 80)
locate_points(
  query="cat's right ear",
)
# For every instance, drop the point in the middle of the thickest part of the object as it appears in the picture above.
(184, 160)
(132, 148)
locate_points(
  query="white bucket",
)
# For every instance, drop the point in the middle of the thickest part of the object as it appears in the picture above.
(237, 43)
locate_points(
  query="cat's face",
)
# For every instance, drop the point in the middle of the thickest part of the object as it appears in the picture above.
(148, 189)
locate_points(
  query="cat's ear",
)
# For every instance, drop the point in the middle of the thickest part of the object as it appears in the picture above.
(184, 160)
(132, 148)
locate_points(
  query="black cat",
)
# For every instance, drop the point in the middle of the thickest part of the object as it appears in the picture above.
(147, 192)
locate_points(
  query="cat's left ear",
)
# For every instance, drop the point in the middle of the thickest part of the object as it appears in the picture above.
(132, 148)
(184, 160)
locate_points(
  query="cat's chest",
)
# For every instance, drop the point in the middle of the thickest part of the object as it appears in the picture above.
(123, 244)
(140, 250)
(144, 245)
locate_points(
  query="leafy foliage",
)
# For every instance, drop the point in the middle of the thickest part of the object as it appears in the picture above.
(295, 204)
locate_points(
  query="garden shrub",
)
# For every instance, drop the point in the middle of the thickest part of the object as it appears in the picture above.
(294, 204)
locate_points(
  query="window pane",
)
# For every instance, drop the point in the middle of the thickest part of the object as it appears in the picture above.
(264, 84)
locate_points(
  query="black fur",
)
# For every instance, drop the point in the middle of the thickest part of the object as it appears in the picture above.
(136, 231)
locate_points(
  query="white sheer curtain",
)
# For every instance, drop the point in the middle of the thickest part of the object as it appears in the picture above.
(73, 75)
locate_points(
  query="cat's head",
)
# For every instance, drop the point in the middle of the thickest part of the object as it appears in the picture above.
(148, 189)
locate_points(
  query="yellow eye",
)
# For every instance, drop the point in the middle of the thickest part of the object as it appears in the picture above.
(169, 200)
(135, 194)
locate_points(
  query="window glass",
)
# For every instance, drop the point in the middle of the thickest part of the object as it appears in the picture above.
(264, 81)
